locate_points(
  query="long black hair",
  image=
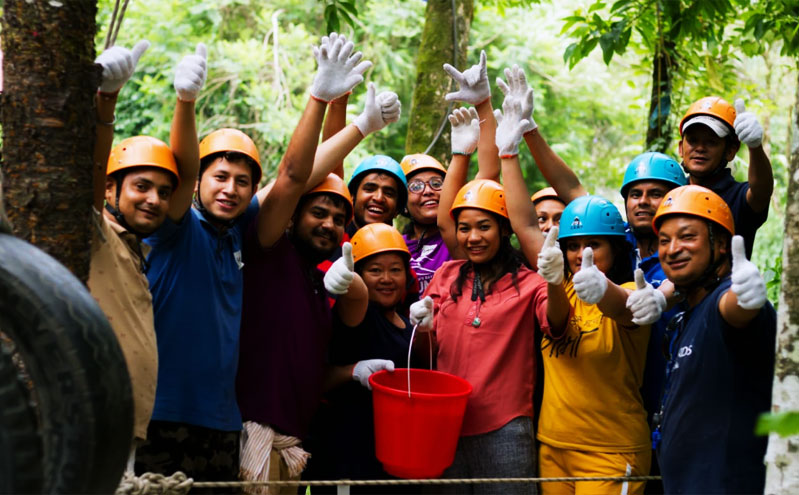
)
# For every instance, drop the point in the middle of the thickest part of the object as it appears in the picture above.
(621, 271)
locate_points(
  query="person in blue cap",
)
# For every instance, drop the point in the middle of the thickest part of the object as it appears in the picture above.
(379, 191)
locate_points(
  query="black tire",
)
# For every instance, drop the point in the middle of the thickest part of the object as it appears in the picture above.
(20, 445)
(82, 386)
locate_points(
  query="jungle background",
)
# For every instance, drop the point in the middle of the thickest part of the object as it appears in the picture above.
(592, 91)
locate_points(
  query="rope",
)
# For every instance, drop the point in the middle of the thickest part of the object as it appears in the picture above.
(179, 484)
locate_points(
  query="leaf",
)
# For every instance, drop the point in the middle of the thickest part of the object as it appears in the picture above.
(785, 424)
(608, 43)
(596, 6)
(568, 53)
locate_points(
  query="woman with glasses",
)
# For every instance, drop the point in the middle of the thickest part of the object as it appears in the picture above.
(428, 251)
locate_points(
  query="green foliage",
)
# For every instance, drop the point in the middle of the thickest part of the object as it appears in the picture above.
(785, 424)
(335, 10)
(769, 21)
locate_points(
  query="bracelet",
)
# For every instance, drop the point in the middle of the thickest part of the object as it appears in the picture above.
(508, 156)
(113, 121)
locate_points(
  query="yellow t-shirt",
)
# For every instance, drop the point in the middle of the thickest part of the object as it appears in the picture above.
(592, 380)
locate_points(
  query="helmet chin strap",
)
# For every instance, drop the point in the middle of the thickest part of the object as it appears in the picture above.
(120, 218)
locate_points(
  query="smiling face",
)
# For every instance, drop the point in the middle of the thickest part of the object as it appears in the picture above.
(376, 199)
(684, 248)
(385, 276)
(702, 151)
(225, 188)
(548, 212)
(603, 254)
(423, 206)
(319, 225)
(478, 234)
(143, 197)
(643, 199)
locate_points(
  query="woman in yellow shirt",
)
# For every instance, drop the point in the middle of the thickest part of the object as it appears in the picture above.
(592, 420)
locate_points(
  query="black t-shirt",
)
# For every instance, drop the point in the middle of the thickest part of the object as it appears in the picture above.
(719, 381)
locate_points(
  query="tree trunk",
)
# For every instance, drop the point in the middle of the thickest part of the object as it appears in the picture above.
(48, 124)
(782, 476)
(428, 106)
(658, 133)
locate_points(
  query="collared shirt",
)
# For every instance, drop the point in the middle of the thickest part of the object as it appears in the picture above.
(120, 288)
(490, 344)
(196, 281)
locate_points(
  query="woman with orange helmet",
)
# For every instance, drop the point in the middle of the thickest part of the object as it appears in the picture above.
(484, 311)
(720, 351)
(548, 208)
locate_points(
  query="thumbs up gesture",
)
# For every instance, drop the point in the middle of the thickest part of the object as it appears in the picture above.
(747, 282)
(590, 284)
(118, 65)
(341, 273)
(747, 128)
(190, 74)
(645, 303)
(550, 259)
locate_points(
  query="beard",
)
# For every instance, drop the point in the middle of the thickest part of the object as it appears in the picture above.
(308, 250)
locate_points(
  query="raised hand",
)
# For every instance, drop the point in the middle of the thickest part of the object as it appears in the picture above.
(465, 130)
(590, 284)
(339, 69)
(378, 112)
(190, 74)
(421, 314)
(119, 63)
(340, 275)
(364, 369)
(511, 128)
(645, 303)
(747, 128)
(517, 89)
(473, 83)
(550, 258)
(747, 282)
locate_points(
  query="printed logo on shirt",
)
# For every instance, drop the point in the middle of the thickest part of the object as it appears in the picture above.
(427, 250)
(237, 257)
(685, 351)
(568, 345)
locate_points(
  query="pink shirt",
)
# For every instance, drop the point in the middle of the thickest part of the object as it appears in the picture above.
(498, 356)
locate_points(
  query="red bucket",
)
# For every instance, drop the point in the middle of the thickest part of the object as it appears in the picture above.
(416, 436)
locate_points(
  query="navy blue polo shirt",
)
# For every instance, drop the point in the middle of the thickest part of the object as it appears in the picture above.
(720, 381)
(747, 221)
(196, 282)
(655, 368)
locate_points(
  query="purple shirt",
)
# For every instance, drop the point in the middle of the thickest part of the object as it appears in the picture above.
(286, 325)
(427, 257)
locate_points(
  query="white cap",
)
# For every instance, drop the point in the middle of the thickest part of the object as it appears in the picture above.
(719, 127)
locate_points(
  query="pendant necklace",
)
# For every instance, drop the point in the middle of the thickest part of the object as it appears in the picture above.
(477, 291)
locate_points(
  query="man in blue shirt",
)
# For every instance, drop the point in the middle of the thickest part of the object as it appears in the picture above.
(721, 351)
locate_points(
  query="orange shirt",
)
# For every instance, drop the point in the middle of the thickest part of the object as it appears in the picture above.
(498, 356)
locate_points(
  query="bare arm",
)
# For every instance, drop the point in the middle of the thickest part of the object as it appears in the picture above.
(614, 305)
(351, 307)
(761, 179)
(558, 308)
(553, 168)
(487, 151)
(453, 181)
(521, 210)
(336, 120)
(293, 174)
(104, 131)
(186, 148)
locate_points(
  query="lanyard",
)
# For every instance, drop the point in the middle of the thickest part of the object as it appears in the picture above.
(671, 338)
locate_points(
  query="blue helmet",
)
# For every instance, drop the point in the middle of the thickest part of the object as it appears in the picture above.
(590, 215)
(653, 166)
(386, 164)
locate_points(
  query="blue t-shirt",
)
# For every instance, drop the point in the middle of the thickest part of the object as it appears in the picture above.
(196, 281)
(720, 380)
(747, 221)
(655, 369)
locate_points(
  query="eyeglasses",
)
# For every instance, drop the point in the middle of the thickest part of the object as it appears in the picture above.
(416, 186)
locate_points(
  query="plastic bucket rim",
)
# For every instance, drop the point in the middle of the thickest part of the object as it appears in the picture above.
(404, 393)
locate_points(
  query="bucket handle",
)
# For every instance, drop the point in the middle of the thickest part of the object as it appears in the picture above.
(410, 348)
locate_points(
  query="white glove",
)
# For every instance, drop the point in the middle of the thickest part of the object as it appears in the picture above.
(338, 68)
(473, 83)
(517, 89)
(748, 129)
(421, 314)
(550, 258)
(190, 74)
(378, 112)
(465, 130)
(364, 369)
(341, 273)
(511, 127)
(645, 303)
(118, 65)
(747, 282)
(590, 284)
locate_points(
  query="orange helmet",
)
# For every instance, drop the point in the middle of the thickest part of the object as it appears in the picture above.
(142, 151)
(223, 140)
(719, 111)
(333, 184)
(482, 194)
(418, 162)
(377, 238)
(695, 201)
(545, 193)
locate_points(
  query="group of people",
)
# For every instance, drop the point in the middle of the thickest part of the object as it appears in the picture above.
(251, 317)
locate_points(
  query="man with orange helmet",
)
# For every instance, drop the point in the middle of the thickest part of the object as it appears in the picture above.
(720, 350)
(711, 132)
